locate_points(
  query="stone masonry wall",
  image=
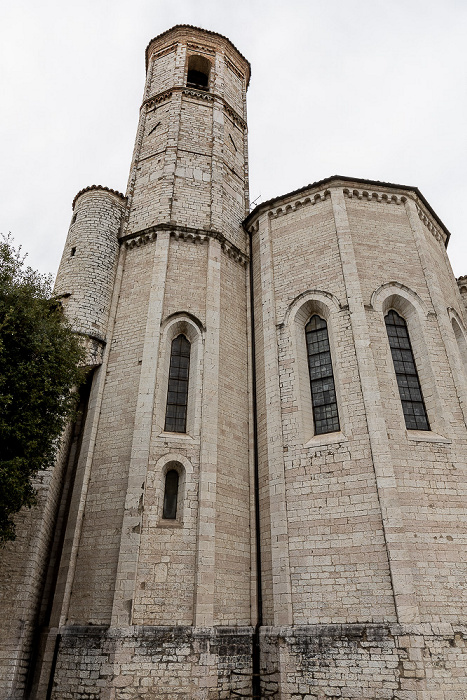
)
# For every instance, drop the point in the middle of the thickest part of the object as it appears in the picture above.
(171, 663)
(87, 269)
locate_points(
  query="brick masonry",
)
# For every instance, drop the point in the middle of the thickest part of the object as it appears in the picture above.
(362, 531)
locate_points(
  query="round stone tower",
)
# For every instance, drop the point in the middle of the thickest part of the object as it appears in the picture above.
(86, 274)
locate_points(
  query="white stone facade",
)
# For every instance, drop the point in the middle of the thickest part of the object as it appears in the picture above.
(299, 565)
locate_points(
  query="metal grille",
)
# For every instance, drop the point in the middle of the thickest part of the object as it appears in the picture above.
(177, 393)
(406, 373)
(323, 393)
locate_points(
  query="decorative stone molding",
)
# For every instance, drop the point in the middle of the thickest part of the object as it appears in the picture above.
(234, 116)
(164, 52)
(462, 284)
(199, 48)
(313, 296)
(140, 239)
(374, 195)
(293, 206)
(98, 187)
(198, 94)
(233, 68)
(453, 314)
(430, 226)
(157, 99)
(135, 240)
(393, 288)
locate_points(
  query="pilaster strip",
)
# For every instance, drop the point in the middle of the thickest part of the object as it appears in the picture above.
(206, 553)
(130, 540)
(394, 531)
(74, 528)
(282, 590)
(440, 306)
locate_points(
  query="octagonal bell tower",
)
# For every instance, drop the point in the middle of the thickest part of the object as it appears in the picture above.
(190, 165)
(133, 571)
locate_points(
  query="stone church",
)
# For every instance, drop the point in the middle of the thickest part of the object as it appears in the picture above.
(264, 494)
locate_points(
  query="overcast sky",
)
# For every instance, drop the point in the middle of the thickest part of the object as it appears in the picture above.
(366, 88)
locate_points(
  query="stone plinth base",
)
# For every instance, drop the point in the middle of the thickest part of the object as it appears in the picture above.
(167, 663)
(365, 662)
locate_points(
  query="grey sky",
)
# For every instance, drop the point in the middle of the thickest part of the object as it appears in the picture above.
(368, 89)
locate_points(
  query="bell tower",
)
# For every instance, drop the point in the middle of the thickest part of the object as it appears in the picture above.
(190, 166)
(156, 543)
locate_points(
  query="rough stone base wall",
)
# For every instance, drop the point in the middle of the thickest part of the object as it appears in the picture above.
(365, 662)
(167, 663)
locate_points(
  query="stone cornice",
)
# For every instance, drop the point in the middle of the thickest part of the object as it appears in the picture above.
(351, 184)
(184, 233)
(200, 48)
(298, 203)
(374, 195)
(434, 230)
(198, 94)
(98, 187)
(371, 195)
(155, 100)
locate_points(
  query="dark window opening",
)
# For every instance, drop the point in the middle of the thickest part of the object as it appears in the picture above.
(177, 392)
(323, 392)
(170, 495)
(73, 251)
(198, 72)
(410, 390)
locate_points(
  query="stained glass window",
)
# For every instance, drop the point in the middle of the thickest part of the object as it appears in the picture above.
(323, 393)
(406, 373)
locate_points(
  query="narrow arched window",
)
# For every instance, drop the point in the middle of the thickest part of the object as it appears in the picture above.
(406, 373)
(177, 393)
(169, 511)
(461, 343)
(323, 392)
(198, 72)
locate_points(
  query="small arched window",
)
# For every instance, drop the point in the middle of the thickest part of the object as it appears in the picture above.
(461, 343)
(177, 392)
(169, 511)
(323, 392)
(410, 390)
(199, 69)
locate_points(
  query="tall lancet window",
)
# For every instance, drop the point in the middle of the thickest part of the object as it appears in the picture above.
(177, 393)
(323, 392)
(406, 373)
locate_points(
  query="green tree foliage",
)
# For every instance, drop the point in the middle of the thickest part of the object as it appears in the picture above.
(39, 367)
